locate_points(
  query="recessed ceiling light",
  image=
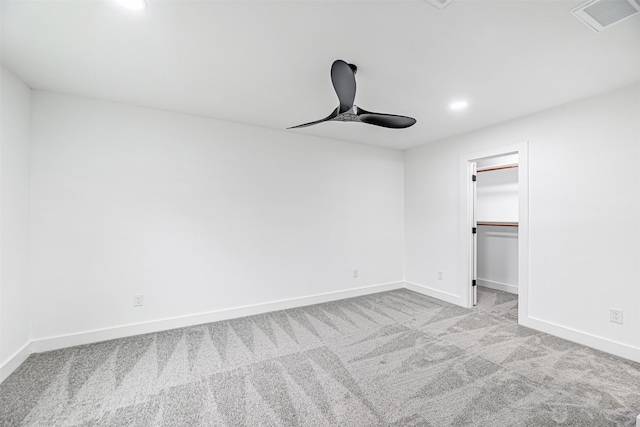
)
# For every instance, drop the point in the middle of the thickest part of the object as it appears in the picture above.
(458, 105)
(133, 4)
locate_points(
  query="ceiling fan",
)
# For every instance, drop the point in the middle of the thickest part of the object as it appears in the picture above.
(344, 83)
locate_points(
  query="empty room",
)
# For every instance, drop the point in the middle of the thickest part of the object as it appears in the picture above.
(320, 213)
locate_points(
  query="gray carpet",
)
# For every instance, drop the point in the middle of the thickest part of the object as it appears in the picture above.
(395, 358)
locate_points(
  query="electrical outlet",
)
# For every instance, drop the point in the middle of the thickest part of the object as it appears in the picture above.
(355, 274)
(439, 275)
(616, 316)
(138, 300)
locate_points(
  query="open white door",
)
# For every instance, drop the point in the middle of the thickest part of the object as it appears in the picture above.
(474, 237)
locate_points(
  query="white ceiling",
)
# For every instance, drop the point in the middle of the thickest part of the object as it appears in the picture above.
(267, 63)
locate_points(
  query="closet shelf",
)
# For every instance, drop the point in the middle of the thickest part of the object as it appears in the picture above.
(497, 224)
(497, 168)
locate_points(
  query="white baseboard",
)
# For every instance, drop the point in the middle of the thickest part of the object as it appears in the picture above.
(54, 343)
(16, 360)
(498, 286)
(425, 290)
(599, 343)
(638, 421)
(64, 341)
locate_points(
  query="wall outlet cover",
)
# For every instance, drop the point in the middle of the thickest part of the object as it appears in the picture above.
(138, 300)
(616, 316)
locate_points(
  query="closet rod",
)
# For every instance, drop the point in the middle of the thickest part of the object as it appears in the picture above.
(497, 168)
(498, 224)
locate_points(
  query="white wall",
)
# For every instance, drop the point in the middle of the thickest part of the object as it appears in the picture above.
(198, 215)
(488, 162)
(14, 219)
(584, 205)
(498, 258)
(497, 195)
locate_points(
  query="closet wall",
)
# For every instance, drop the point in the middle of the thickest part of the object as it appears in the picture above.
(497, 202)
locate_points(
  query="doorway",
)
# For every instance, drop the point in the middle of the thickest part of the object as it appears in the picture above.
(496, 221)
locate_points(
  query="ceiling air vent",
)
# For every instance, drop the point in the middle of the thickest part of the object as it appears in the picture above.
(440, 4)
(601, 14)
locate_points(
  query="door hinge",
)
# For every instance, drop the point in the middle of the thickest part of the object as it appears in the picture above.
(473, 178)
(474, 230)
(473, 283)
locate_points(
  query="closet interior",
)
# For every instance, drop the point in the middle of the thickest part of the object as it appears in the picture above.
(497, 223)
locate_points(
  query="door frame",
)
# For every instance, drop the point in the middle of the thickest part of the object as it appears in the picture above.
(467, 161)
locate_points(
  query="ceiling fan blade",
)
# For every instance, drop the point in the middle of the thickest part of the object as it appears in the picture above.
(333, 115)
(344, 83)
(385, 120)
